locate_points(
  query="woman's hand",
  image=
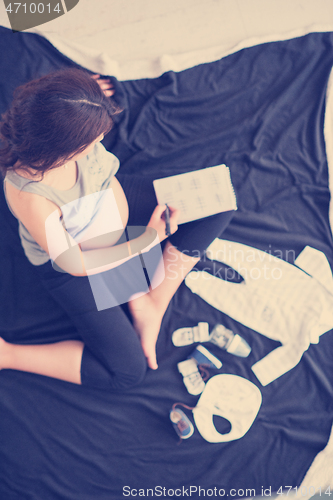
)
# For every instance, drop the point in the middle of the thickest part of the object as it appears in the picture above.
(105, 84)
(157, 221)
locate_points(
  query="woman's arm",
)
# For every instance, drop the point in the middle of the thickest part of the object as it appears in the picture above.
(80, 262)
(72, 259)
(41, 218)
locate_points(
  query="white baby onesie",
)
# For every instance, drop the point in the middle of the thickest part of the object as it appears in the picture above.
(276, 299)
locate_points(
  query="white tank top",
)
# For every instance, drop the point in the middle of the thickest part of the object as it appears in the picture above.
(79, 211)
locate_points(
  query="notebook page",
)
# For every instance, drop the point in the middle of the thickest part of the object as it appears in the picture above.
(197, 194)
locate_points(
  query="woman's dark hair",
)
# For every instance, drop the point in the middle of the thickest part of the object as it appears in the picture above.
(53, 118)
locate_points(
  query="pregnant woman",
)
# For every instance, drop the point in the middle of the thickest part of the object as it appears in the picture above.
(58, 177)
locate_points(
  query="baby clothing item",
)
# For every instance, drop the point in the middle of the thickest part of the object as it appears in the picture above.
(220, 336)
(191, 335)
(276, 299)
(227, 340)
(182, 425)
(229, 396)
(192, 378)
(202, 356)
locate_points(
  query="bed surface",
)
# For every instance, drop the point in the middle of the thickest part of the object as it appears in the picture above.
(261, 111)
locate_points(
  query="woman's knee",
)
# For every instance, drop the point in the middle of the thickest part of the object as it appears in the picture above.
(114, 377)
(129, 380)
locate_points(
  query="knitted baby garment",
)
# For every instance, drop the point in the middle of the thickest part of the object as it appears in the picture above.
(276, 299)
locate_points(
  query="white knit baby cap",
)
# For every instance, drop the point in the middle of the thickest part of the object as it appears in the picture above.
(229, 396)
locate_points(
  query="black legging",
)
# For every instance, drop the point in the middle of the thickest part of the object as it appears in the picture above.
(113, 357)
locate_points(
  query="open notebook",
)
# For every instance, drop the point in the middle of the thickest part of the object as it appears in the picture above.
(197, 194)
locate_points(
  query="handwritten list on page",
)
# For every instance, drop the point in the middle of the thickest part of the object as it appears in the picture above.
(197, 194)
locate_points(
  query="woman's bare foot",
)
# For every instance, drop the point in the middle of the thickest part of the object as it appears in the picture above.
(147, 319)
(148, 310)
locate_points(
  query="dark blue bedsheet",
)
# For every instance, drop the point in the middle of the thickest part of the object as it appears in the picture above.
(260, 111)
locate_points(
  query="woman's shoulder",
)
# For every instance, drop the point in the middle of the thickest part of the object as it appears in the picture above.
(17, 178)
(101, 154)
(32, 211)
(22, 171)
(24, 203)
(15, 182)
